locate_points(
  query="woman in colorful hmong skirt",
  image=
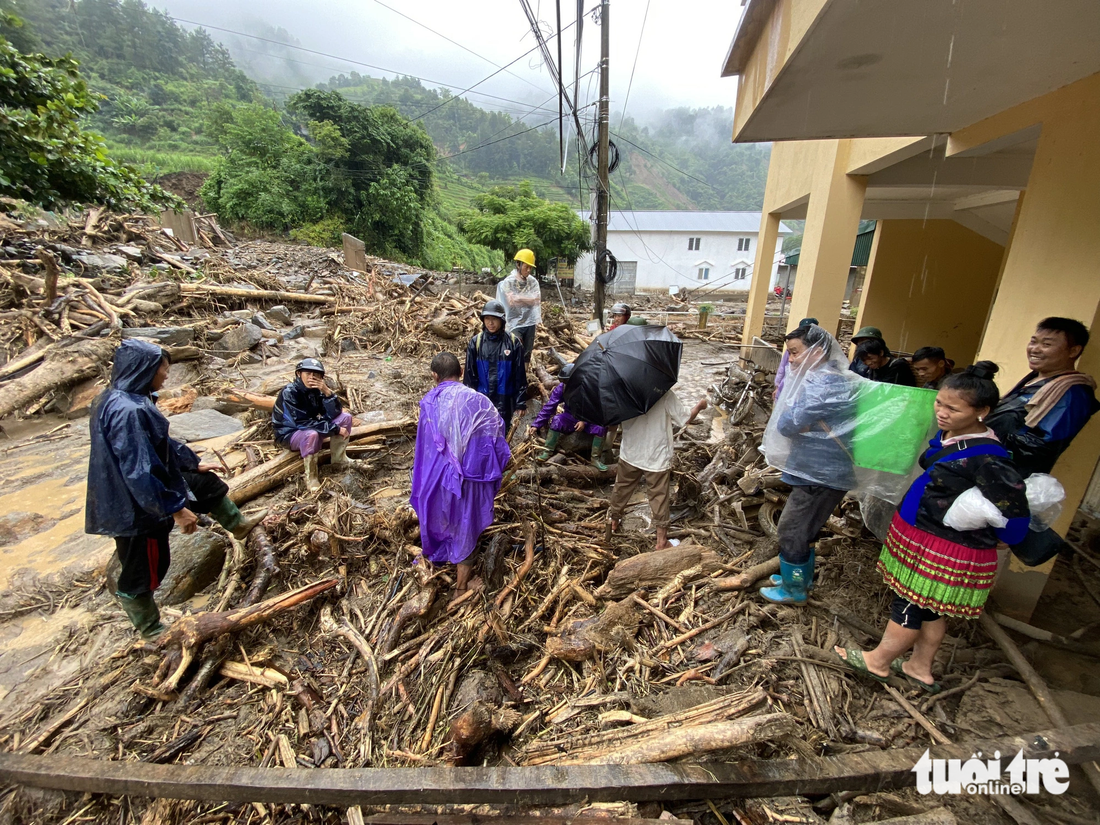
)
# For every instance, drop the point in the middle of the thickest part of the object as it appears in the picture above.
(934, 570)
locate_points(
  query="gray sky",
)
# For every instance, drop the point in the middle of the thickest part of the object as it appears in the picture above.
(682, 45)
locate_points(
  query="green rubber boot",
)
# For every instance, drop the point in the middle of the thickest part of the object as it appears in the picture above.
(597, 450)
(551, 445)
(777, 580)
(233, 520)
(796, 578)
(143, 614)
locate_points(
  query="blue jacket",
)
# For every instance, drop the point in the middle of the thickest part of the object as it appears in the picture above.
(1036, 449)
(819, 424)
(495, 368)
(134, 478)
(300, 408)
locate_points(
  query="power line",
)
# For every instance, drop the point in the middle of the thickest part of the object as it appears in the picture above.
(491, 142)
(360, 62)
(665, 162)
(456, 43)
(637, 52)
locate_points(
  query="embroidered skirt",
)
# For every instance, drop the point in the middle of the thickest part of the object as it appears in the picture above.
(936, 573)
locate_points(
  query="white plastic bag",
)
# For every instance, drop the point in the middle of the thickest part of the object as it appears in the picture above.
(973, 511)
(1045, 495)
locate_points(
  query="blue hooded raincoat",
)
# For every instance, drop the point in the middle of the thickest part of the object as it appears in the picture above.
(134, 469)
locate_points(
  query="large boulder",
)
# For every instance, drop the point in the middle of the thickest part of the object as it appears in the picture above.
(237, 340)
(197, 562)
(202, 424)
(165, 336)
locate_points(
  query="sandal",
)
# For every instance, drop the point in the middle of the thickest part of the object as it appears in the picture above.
(853, 657)
(897, 667)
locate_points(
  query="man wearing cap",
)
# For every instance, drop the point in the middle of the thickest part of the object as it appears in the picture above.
(305, 413)
(864, 334)
(931, 366)
(495, 365)
(785, 361)
(522, 299)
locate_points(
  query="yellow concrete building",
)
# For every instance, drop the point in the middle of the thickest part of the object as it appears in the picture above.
(970, 130)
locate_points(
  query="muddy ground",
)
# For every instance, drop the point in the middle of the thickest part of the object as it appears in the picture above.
(64, 642)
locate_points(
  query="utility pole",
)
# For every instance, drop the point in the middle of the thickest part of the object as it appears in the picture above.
(603, 185)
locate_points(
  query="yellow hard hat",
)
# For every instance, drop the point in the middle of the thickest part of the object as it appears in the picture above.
(525, 256)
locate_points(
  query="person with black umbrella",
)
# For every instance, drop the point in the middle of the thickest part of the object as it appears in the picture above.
(646, 452)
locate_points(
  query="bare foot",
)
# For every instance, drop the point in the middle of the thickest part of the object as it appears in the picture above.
(861, 663)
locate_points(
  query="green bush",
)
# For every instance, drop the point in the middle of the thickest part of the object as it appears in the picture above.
(325, 232)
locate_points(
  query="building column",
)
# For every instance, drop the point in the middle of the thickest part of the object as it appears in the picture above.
(760, 287)
(1050, 269)
(832, 218)
(930, 283)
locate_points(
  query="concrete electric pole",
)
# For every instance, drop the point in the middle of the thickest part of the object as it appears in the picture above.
(603, 184)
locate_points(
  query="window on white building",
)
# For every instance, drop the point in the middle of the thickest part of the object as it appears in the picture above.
(739, 273)
(704, 273)
(693, 244)
(742, 244)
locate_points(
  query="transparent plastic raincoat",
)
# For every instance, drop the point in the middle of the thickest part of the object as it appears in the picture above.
(833, 428)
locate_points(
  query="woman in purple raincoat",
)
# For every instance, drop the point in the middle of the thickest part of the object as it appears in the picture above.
(461, 453)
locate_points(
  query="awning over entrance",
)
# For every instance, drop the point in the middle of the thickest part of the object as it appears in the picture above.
(863, 68)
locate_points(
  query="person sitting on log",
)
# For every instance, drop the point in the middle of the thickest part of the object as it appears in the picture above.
(646, 450)
(495, 365)
(140, 481)
(461, 453)
(306, 413)
(566, 422)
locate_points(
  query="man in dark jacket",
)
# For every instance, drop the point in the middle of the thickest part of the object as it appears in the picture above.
(495, 365)
(305, 413)
(882, 366)
(1042, 414)
(140, 481)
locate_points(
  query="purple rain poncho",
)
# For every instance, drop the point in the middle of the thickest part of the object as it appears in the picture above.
(565, 421)
(460, 457)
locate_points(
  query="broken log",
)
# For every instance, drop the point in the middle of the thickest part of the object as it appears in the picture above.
(584, 474)
(192, 630)
(479, 724)
(66, 363)
(414, 609)
(255, 482)
(584, 638)
(263, 402)
(657, 568)
(700, 739)
(253, 294)
(553, 785)
(1037, 686)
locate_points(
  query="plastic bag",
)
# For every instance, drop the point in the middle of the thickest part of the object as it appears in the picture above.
(834, 428)
(1045, 495)
(973, 511)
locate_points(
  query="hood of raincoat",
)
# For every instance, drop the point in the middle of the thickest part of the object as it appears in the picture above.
(136, 364)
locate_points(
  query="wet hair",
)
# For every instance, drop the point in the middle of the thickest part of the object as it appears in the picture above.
(445, 365)
(1077, 334)
(975, 383)
(929, 354)
(811, 336)
(872, 346)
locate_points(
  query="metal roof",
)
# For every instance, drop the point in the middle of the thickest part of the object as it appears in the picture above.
(861, 253)
(680, 221)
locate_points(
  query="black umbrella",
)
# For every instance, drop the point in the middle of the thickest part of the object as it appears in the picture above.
(623, 373)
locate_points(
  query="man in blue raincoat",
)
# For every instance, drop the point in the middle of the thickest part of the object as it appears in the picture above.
(141, 481)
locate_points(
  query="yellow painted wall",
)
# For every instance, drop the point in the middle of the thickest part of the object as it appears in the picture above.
(930, 283)
(1050, 268)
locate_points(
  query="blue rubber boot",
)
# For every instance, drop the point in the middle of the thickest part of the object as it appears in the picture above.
(777, 580)
(793, 590)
